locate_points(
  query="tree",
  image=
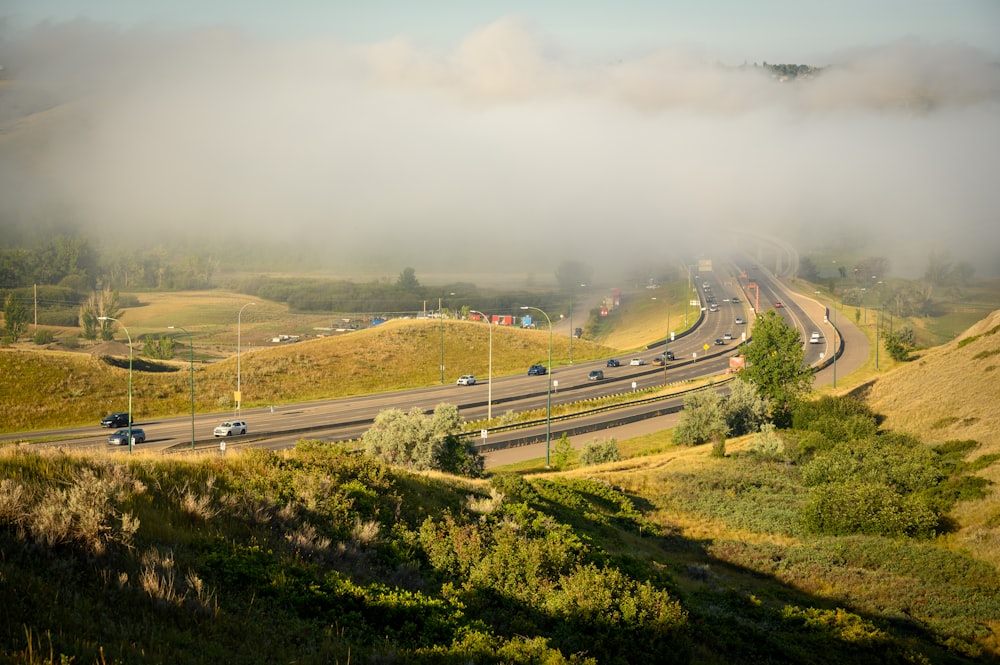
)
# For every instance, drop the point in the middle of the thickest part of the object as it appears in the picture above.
(745, 410)
(15, 316)
(774, 364)
(808, 270)
(563, 453)
(898, 343)
(106, 304)
(415, 441)
(702, 419)
(408, 280)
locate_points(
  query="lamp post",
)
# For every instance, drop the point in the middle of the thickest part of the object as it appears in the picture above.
(239, 387)
(441, 328)
(489, 391)
(191, 356)
(548, 394)
(666, 342)
(108, 318)
(572, 330)
(836, 345)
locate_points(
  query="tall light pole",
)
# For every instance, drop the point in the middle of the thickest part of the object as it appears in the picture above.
(666, 342)
(836, 345)
(191, 348)
(489, 393)
(108, 318)
(441, 328)
(239, 388)
(572, 330)
(548, 394)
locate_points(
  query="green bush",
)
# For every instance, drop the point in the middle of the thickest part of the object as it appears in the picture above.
(43, 336)
(599, 452)
(866, 507)
(838, 418)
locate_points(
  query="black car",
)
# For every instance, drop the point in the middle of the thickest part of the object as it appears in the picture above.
(719, 341)
(670, 355)
(115, 420)
(595, 375)
(614, 363)
(537, 370)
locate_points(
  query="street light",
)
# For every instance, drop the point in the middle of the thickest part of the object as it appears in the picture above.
(441, 328)
(489, 394)
(666, 342)
(239, 389)
(191, 347)
(572, 330)
(548, 395)
(108, 318)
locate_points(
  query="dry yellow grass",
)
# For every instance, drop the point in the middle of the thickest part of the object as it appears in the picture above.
(947, 392)
(951, 392)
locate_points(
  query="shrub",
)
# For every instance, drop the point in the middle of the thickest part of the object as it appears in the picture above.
(563, 452)
(866, 507)
(745, 410)
(414, 441)
(701, 419)
(43, 336)
(599, 452)
(837, 418)
(767, 443)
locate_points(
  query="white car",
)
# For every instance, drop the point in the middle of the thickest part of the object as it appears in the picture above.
(466, 380)
(637, 361)
(814, 338)
(727, 336)
(231, 427)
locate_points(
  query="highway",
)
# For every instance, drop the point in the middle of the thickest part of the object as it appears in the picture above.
(345, 419)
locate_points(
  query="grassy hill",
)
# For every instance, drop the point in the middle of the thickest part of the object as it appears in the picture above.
(93, 381)
(396, 355)
(951, 392)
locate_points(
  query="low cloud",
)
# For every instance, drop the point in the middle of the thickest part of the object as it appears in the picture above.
(506, 150)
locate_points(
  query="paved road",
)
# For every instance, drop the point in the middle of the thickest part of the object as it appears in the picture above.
(855, 353)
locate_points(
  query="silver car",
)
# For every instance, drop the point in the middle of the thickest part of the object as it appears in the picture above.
(120, 438)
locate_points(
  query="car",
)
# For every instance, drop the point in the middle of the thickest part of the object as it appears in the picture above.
(614, 363)
(719, 341)
(595, 375)
(713, 308)
(578, 333)
(815, 337)
(739, 321)
(637, 361)
(120, 438)
(537, 370)
(231, 427)
(115, 420)
(727, 336)
(778, 304)
(670, 355)
(659, 360)
(466, 380)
